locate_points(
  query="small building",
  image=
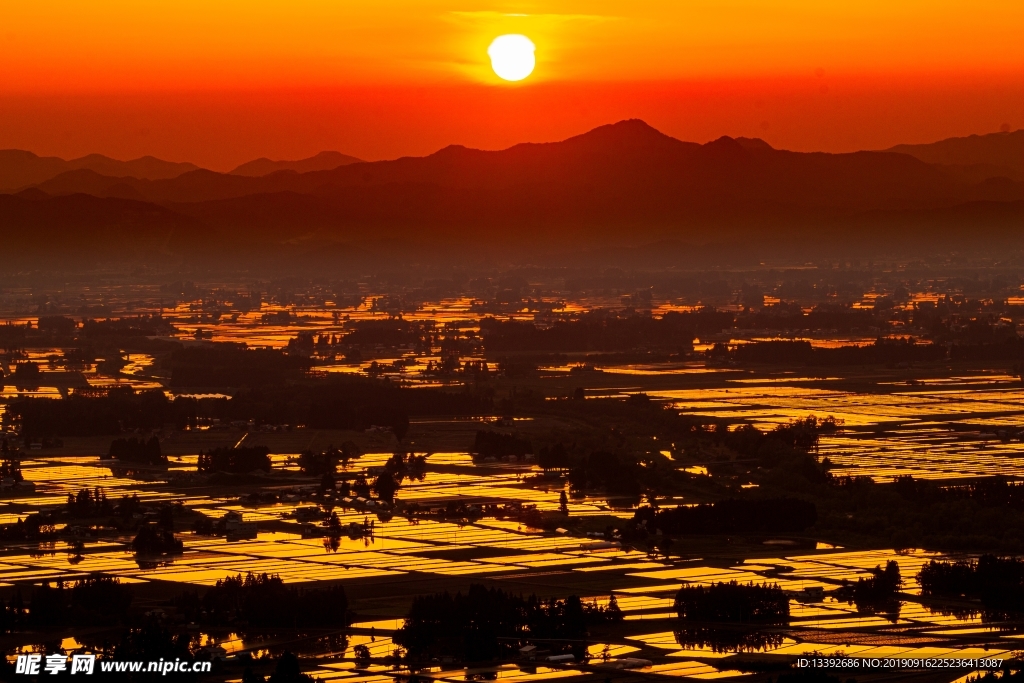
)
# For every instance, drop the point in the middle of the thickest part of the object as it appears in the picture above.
(235, 526)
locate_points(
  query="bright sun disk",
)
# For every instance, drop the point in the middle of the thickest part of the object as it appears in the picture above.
(512, 56)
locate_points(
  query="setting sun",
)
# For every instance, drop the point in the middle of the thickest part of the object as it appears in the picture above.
(512, 57)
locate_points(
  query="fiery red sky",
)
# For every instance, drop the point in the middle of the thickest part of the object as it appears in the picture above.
(221, 83)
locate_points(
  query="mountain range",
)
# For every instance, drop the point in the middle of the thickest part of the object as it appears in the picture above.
(20, 169)
(995, 154)
(324, 161)
(623, 181)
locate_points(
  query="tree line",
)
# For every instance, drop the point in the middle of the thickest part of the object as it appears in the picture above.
(92, 601)
(595, 331)
(265, 601)
(487, 623)
(730, 516)
(997, 581)
(137, 451)
(337, 403)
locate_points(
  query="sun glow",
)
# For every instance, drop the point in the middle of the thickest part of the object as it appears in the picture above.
(512, 56)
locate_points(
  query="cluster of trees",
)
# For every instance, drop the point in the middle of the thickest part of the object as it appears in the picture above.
(88, 503)
(793, 444)
(733, 602)
(880, 590)
(154, 540)
(79, 415)
(615, 473)
(728, 616)
(25, 373)
(790, 316)
(232, 365)
(92, 601)
(265, 601)
(389, 333)
(602, 331)
(998, 582)
(728, 638)
(57, 325)
(498, 445)
(995, 491)
(64, 329)
(885, 351)
(137, 451)
(333, 403)
(326, 462)
(911, 513)
(143, 325)
(801, 436)
(731, 516)
(36, 527)
(399, 466)
(235, 460)
(484, 624)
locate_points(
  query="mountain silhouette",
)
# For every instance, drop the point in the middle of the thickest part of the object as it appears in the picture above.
(620, 181)
(324, 161)
(613, 172)
(19, 168)
(996, 153)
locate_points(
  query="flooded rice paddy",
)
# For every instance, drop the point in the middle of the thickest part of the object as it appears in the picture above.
(506, 552)
(930, 424)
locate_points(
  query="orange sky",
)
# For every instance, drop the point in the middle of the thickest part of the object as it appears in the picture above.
(220, 82)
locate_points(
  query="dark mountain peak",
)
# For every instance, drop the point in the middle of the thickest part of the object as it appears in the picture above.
(628, 135)
(627, 132)
(322, 161)
(755, 144)
(329, 155)
(729, 148)
(628, 127)
(95, 157)
(23, 155)
(724, 142)
(453, 150)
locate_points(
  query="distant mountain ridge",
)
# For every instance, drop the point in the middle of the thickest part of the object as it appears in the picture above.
(324, 161)
(622, 171)
(620, 181)
(1001, 153)
(19, 168)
